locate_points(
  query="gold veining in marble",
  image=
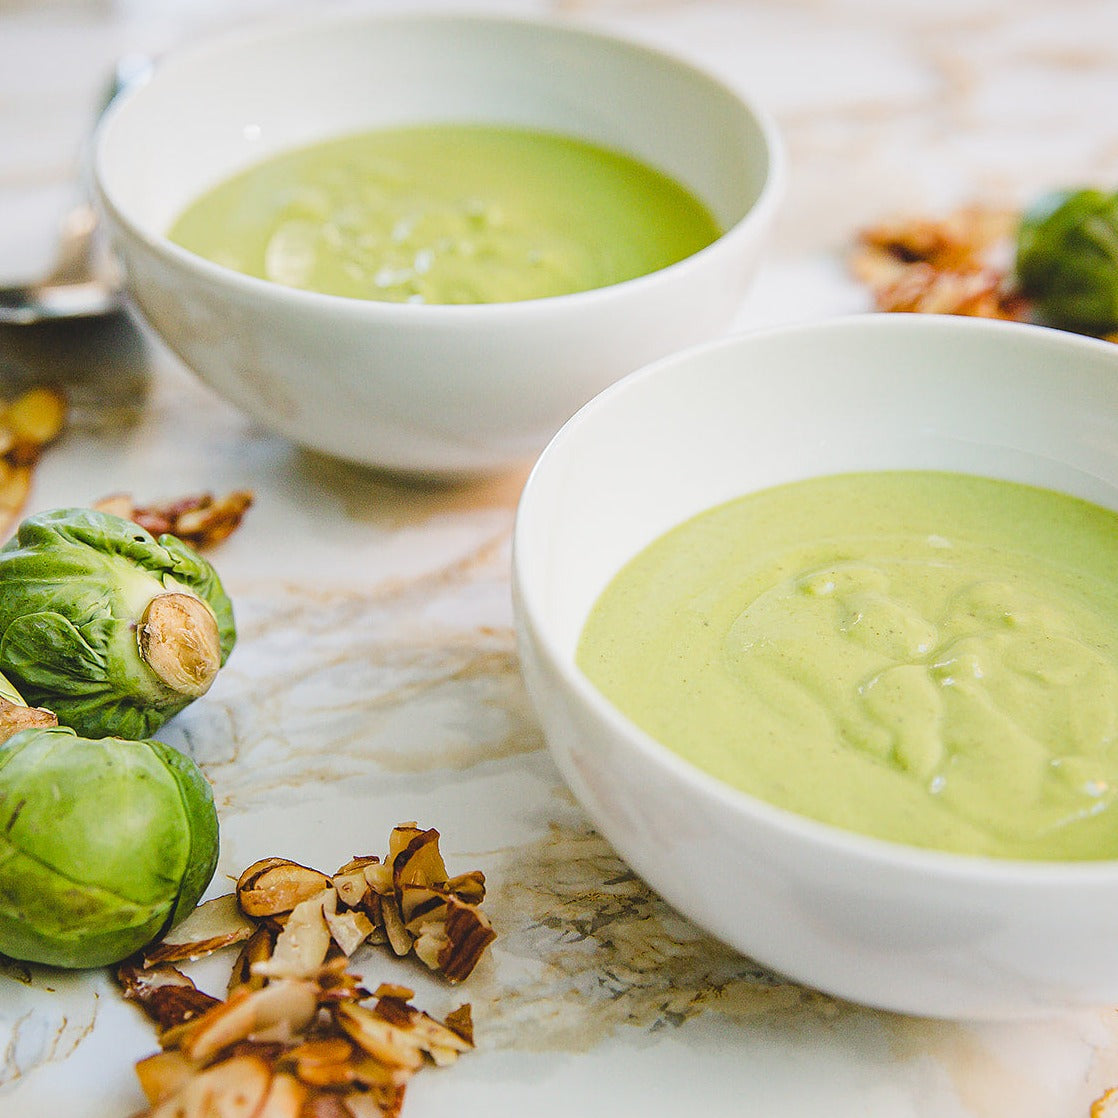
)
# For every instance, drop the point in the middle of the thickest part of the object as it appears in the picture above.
(585, 947)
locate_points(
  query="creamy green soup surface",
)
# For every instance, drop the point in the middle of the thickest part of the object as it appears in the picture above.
(447, 213)
(930, 658)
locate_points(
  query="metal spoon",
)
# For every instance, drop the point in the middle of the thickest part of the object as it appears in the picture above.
(84, 282)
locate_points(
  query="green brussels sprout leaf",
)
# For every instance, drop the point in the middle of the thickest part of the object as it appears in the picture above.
(104, 845)
(1067, 259)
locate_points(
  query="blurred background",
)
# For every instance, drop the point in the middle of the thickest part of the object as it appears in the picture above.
(884, 104)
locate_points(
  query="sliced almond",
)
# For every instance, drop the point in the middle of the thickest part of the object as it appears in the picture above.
(287, 1005)
(468, 933)
(213, 925)
(17, 716)
(168, 997)
(399, 838)
(386, 1042)
(461, 1021)
(15, 484)
(380, 1102)
(468, 887)
(430, 943)
(422, 1029)
(419, 862)
(276, 885)
(302, 945)
(399, 938)
(351, 886)
(379, 877)
(349, 930)
(234, 1088)
(200, 520)
(163, 1073)
(256, 949)
(285, 1099)
(324, 1061)
(37, 417)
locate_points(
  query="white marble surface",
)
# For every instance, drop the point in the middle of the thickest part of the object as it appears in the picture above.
(376, 679)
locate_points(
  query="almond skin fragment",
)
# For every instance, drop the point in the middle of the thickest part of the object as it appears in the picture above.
(179, 641)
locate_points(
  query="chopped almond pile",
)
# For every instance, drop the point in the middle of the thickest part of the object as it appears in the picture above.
(293, 1039)
(941, 266)
(201, 520)
(27, 424)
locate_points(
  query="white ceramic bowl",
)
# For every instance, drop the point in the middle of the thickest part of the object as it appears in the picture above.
(433, 389)
(883, 924)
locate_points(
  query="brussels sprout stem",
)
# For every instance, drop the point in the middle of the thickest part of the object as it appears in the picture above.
(179, 641)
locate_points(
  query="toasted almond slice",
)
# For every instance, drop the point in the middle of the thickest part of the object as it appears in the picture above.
(163, 1073)
(379, 877)
(322, 1050)
(115, 504)
(468, 887)
(234, 1088)
(301, 947)
(324, 1061)
(461, 1021)
(420, 904)
(275, 885)
(212, 520)
(15, 484)
(284, 1006)
(166, 995)
(336, 984)
(256, 949)
(286, 1098)
(37, 417)
(384, 1041)
(468, 933)
(422, 1029)
(399, 939)
(419, 862)
(349, 930)
(17, 716)
(358, 863)
(379, 1102)
(214, 924)
(399, 837)
(393, 990)
(430, 943)
(351, 886)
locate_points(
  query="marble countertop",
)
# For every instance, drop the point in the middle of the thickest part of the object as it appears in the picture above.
(376, 678)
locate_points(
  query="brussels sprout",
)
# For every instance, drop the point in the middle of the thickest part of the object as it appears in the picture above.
(104, 845)
(1067, 259)
(109, 628)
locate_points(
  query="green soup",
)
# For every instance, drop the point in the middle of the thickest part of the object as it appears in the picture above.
(930, 658)
(448, 214)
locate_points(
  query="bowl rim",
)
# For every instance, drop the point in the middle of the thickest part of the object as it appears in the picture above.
(293, 24)
(947, 866)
